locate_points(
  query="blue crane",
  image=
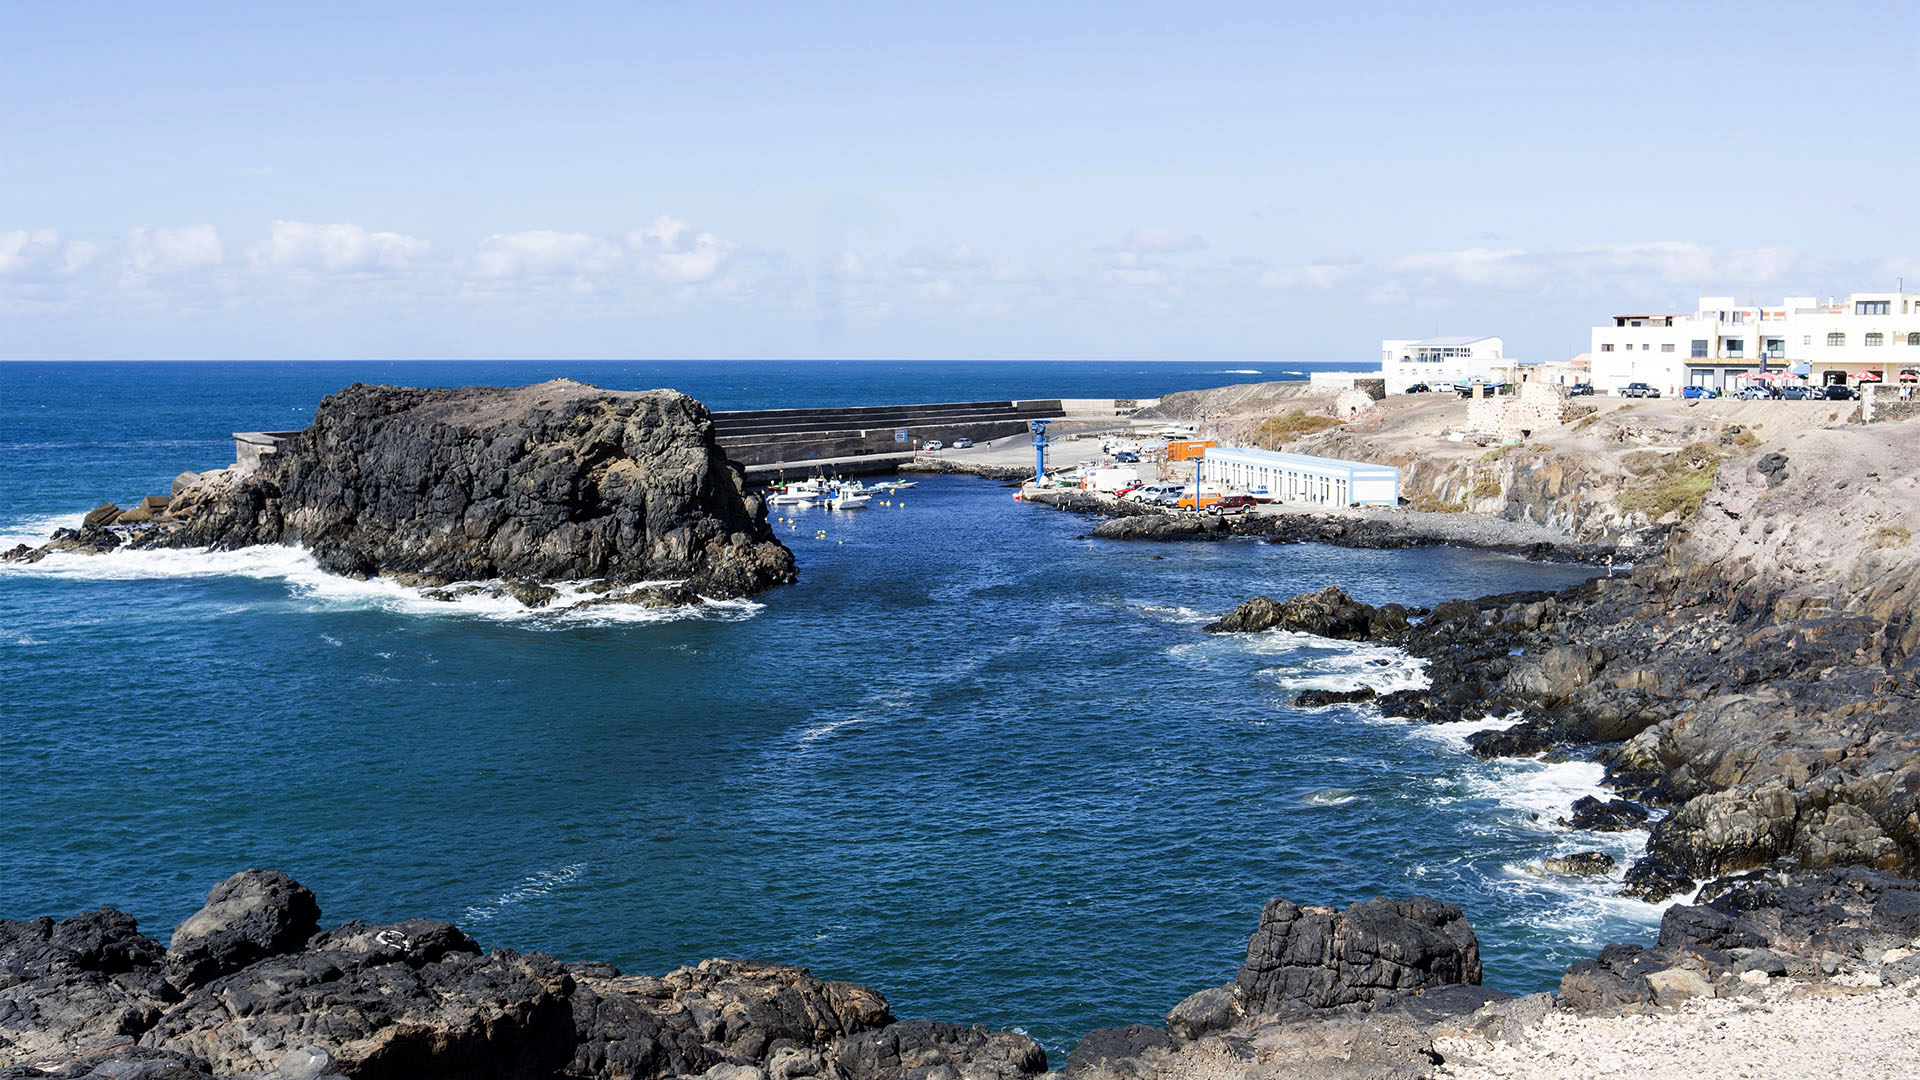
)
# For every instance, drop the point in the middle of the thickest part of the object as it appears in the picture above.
(1040, 445)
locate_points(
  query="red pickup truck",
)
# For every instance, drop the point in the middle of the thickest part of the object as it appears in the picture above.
(1231, 504)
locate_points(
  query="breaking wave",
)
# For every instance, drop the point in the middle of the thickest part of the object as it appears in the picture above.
(573, 606)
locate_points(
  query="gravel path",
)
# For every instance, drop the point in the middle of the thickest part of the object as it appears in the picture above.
(1780, 1031)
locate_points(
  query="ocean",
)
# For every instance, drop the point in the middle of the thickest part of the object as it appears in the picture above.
(973, 759)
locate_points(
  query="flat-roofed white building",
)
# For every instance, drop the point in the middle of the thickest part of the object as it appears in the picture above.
(1300, 478)
(1439, 362)
(1723, 343)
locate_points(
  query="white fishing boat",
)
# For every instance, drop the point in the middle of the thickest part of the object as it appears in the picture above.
(799, 493)
(847, 499)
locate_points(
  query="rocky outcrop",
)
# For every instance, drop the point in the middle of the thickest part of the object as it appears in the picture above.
(251, 989)
(555, 482)
(1327, 613)
(248, 917)
(1318, 958)
(1352, 993)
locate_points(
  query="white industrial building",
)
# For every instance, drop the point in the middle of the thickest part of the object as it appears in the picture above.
(1298, 478)
(1724, 343)
(1439, 362)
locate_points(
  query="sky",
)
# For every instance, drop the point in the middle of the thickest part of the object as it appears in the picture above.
(1198, 181)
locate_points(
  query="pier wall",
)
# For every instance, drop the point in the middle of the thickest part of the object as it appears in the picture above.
(762, 436)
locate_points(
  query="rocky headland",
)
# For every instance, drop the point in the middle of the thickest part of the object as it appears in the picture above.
(1756, 684)
(526, 486)
(250, 986)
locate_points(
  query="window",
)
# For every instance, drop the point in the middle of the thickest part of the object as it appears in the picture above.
(1870, 307)
(1645, 347)
(1836, 339)
(1606, 348)
(1733, 347)
(1666, 346)
(1876, 338)
(1913, 339)
(1699, 348)
(1806, 339)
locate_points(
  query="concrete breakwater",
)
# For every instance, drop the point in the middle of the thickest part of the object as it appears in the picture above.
(766, 437)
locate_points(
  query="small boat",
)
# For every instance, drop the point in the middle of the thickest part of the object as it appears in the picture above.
(800, 493)
(891, 486)
(849, 500)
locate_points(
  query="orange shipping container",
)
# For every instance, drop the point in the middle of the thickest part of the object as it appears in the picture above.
(1188, 450)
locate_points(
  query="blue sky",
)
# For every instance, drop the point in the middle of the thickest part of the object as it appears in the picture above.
(1199, 181)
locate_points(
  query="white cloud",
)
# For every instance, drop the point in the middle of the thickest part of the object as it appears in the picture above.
(336, 249)
(152, 250)
(22, 250)
(79, 255)
(1158, 241)
(544, 253)
(1326, 272)
(670, 248)
(1128, 268)
(1507, 268)
(1672, 262)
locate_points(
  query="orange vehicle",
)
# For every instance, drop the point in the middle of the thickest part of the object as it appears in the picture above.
(1187, 502)
(1188, 449)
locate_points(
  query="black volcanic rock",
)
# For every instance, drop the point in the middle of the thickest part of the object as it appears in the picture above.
(250, 916)
(1610, 815)
(266, 997)
(557, 481)
(1327, 613)
(1318, 958)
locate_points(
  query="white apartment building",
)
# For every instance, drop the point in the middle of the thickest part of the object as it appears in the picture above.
(1723, 343)
(1439, 362)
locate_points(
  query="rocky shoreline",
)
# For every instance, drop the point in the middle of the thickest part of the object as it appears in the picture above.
(1357, 529)
(251, 987)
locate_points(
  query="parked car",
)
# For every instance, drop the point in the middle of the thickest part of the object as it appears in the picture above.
(1231, 504)
(1800, 393)
(935, 444)
(1419, 388)
(1153, 493)
(1698, 392)
(962, 444)
(1639, 390)
(1837, 392)
(1580, 389)
(1127, 457)
(1754, 393)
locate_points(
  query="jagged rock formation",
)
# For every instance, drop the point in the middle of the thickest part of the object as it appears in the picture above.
(251, 989)
(558, 481)
(1327, 613)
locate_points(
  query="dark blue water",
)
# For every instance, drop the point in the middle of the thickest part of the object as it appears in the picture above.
(987, 766)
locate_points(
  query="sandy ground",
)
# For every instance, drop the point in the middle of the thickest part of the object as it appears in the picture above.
(1780, 1031)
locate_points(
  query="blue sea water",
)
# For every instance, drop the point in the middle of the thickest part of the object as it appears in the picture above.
(982, 763)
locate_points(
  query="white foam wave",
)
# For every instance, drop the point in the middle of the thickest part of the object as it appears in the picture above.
(1311, 662)
(37, 529)
(1240, 371)
(533, 887)
(1172, 613)
(1329, 797)
(306, 581)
